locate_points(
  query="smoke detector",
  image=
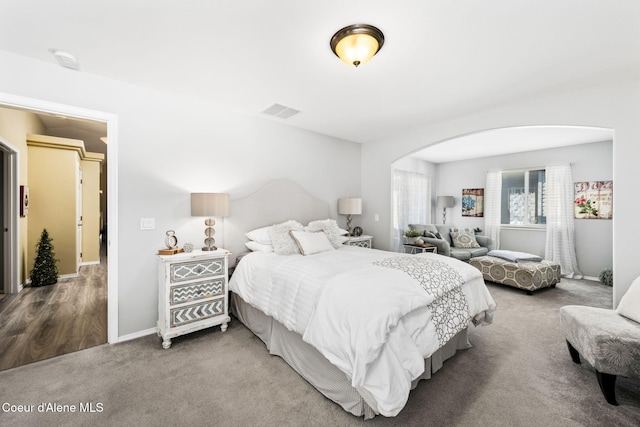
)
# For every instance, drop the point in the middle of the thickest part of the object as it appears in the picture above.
(65, 59)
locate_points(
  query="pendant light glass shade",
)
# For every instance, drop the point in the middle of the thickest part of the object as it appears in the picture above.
(357, 44)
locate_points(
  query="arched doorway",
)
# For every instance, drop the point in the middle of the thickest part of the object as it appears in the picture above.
(461, 162)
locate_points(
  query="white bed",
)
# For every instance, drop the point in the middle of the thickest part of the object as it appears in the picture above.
(362, 326)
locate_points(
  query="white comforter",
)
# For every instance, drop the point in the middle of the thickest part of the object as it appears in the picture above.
(373, 323)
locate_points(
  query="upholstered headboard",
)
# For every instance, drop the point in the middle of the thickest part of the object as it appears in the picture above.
(276, 202)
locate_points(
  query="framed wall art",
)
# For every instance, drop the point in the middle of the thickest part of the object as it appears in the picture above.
(473, 202)
(593, 200)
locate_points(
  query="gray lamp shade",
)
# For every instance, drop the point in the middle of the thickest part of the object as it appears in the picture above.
(210, 204)
(445, 201)
(350, 206)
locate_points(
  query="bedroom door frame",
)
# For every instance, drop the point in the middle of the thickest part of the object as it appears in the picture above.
(37, 105)
(11, 231)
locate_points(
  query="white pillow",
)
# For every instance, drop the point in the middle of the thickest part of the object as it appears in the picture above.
(311, 243)
(260, 235)
(630, 303)
(330, 228)
(283, 243)
(258, 247)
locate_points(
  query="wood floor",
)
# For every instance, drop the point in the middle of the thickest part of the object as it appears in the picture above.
(39, 323)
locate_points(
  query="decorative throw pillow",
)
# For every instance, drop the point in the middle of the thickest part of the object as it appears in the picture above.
(311, 243)
(330, 228)
(283, 243)
(463, 238)
(432, 235)
(629, 306)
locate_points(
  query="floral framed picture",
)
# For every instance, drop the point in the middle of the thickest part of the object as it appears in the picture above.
(593, 200)
(473, 202)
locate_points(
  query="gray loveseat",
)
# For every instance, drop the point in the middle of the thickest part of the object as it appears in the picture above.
(445, 246)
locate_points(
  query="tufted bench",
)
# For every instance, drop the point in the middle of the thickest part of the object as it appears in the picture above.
(608, 341)
(527, 275)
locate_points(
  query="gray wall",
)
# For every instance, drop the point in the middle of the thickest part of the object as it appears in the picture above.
(170, 146)
(610, 105)
(589, 162)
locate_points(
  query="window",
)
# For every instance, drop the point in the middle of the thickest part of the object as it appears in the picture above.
(522, 198)
(411, 198)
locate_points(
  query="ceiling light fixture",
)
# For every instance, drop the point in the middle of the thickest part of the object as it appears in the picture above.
(356, 44)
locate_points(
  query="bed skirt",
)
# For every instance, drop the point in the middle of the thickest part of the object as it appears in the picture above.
(315, 368)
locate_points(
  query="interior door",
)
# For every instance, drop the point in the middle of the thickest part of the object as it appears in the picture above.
(79, 215)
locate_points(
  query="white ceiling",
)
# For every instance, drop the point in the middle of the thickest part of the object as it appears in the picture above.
(441, 58)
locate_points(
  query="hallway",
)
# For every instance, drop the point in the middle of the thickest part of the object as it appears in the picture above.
(39, 323)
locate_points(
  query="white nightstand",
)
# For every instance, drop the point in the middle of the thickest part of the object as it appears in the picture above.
(415, 249)
(363, 241)
(192, 293)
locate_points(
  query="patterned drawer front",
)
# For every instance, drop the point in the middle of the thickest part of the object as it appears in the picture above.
(183, 315)
(362, 244)
(196, 291)
(183, 271)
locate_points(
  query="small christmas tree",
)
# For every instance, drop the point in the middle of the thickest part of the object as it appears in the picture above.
(45, 271)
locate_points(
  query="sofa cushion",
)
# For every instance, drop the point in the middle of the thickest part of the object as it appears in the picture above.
(463, 238)
(461, 254)
(473, 252)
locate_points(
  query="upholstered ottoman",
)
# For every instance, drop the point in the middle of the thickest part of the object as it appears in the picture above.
(527, 275)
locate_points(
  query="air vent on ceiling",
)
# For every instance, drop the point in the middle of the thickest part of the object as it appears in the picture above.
(280, 111)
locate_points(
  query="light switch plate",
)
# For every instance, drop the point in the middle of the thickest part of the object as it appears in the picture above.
(147, 223)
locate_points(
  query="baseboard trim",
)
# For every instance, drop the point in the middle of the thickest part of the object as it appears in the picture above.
(138, 334)
(595, 279)
(89, 263)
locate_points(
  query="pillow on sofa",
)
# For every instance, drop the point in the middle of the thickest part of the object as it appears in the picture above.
(629, 306)
(463, 238)
(432, 235)
(427, 230)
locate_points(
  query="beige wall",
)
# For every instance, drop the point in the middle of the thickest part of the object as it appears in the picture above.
(52, 189)
(14, 127)
(90, 210)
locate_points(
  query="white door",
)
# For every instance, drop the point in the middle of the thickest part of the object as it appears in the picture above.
(79, 215)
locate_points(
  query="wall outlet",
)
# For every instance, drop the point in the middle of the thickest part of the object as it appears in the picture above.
(376, 217)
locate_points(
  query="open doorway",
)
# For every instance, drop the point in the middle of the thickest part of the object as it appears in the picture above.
(76, 120)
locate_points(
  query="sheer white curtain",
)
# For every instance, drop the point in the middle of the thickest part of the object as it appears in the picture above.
(560, 245)
(411, 202)
(492, 207)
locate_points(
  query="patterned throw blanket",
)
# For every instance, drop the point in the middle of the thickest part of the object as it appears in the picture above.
(442, 283)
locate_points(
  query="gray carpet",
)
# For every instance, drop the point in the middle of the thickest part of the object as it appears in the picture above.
(518, 373)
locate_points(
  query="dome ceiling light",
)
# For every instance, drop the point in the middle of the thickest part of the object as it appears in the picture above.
(356, 44)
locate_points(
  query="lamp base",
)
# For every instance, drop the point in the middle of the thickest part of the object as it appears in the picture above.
(210, 242)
